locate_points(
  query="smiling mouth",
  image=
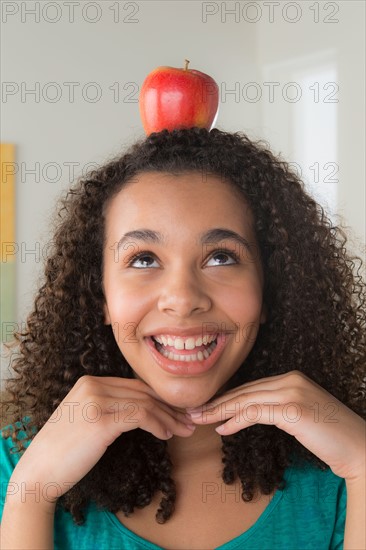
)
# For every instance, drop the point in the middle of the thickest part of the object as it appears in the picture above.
(186, 355)
(185, 349)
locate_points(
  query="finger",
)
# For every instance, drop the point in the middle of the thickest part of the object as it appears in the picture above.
(124, 389)
(176, 427)
(233, 426)
(270, 383)
(274, 413)
(118, 382)
(225, 408)
(155, 420)
(287, 416)
(140, 396)
(234, 407)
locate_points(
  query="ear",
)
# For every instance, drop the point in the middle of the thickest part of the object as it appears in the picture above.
(107, 318)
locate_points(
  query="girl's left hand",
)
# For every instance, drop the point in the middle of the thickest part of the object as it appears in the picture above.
(300, 407)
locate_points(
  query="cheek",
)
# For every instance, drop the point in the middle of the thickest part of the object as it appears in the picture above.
(244, 308)
(243, 303)
(125, 312)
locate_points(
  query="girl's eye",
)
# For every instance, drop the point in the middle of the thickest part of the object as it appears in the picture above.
(142, 261)
(147, 260)
(222, 258)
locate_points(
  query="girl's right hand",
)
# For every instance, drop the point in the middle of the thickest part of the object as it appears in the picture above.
(93, 414)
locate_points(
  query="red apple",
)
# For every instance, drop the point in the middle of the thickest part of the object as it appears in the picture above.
(172, 98)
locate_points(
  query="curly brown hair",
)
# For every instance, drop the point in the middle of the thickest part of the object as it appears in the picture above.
(316, 318)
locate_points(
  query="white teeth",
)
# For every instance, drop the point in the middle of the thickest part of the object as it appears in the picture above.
(190, 343)
(199, 356)
(180, 343)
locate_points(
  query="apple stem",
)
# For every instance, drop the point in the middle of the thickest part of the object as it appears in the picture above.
(186, 64)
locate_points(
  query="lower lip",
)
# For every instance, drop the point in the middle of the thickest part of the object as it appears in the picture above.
(188, 367)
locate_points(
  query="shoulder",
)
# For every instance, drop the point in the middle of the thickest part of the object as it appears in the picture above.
(10, 453)
(10, 435)
(311, 479)
(314, 493)
(310, 510)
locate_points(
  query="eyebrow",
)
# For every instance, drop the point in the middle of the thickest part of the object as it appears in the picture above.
(212, 236)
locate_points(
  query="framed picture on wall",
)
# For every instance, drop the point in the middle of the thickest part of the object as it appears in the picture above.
(8, 242)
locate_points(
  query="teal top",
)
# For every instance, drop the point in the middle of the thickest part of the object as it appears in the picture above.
(309, 513)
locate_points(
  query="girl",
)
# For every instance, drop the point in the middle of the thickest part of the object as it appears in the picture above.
(191, 376)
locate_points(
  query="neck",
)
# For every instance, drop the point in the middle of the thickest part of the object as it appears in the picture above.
(191, 453)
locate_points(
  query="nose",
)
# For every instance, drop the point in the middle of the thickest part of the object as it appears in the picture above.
(183, 294)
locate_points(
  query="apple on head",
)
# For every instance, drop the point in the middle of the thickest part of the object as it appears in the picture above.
(173, 98)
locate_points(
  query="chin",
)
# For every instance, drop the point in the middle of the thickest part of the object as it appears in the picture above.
(184, 400)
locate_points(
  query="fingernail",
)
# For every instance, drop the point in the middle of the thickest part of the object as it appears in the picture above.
(195, 414)
(169, 434)
(191, 426)
(220, 429)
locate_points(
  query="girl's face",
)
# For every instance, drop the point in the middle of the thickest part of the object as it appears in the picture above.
(183, 282)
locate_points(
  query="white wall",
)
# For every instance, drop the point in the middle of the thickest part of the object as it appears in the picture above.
(324, 131)
(81, 131)
(245, 50)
